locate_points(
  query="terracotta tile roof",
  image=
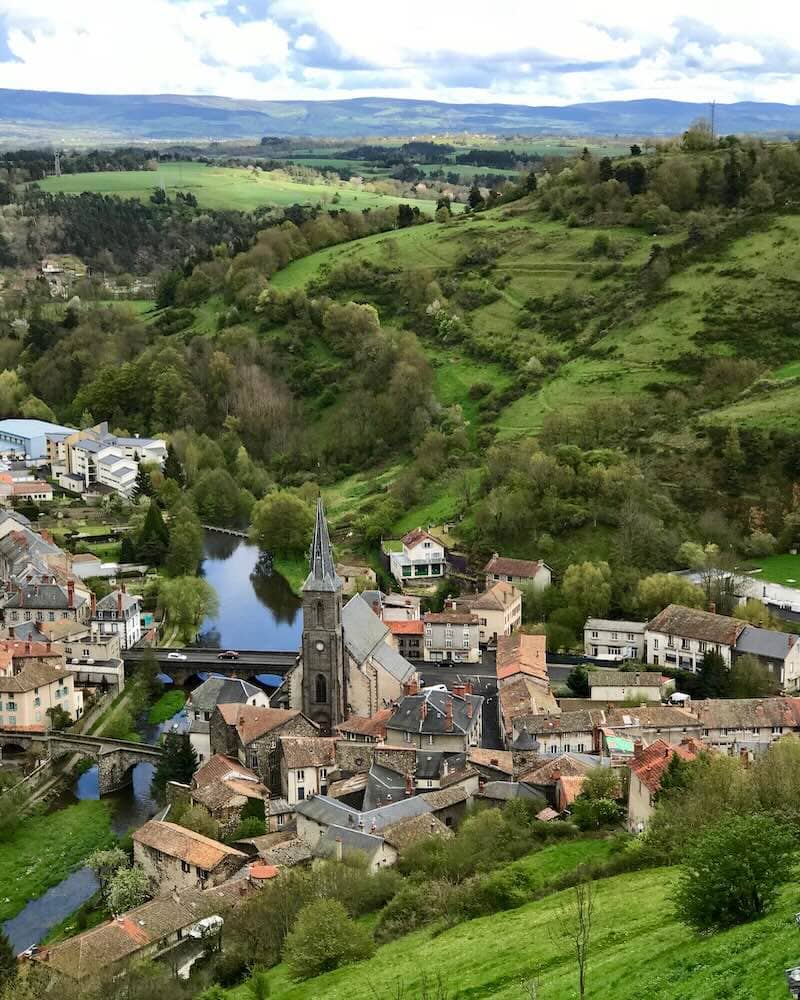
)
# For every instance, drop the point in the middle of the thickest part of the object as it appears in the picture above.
(692, 623)
(650, 764)
(497, 598)
(523, 696)
(569, 788)
(744, 713)
(262, 872)
(219, 767)
(367, 725)
(513, 567)
(418, 535)
(408, 831)
(252, 721)
(521, 653)
(34, 674)
(548, 772)
(453, 617)
(499, 759)
(309, 751)
(414, 627)
(178, 842)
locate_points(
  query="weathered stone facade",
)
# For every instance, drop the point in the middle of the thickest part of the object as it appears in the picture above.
(262, 755)
(356, 758)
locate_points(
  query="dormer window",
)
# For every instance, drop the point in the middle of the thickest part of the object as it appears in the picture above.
(426, 545)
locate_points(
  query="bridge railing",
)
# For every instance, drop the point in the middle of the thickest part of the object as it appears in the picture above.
(100, 741)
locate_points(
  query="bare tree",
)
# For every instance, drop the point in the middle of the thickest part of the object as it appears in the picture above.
(574, 924)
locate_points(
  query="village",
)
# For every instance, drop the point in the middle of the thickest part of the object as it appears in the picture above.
(390, 727)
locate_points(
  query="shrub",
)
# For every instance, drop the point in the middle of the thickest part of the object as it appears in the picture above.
(734, 871)
(251, 826)
(323, 938)
(416, 904)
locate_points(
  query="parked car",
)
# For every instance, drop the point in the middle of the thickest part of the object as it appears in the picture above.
(228, 654)
(177, 656)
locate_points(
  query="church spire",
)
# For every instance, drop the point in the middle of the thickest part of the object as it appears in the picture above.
(322, 570)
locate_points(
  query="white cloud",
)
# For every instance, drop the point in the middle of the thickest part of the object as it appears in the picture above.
(507, 52)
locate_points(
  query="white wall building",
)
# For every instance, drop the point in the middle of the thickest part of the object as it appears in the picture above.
(421, 559)
(119, 613)
(613, 640)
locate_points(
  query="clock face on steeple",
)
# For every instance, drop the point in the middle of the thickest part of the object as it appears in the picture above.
(320, 645)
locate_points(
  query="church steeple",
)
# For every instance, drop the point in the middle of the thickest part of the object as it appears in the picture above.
(322, 570)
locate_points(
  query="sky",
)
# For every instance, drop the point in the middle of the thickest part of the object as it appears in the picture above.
(514, 51)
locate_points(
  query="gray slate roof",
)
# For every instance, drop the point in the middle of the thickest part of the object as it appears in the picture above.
(328, 811)
(765, 642)
(221, 691)
(365, 637)
(609, 625)
(44, 595)
(352, 840)
(407, 717)
(383, 785)
(111, 601)
(624, 678)
(322, 568)
(505, 790)
(323, 809)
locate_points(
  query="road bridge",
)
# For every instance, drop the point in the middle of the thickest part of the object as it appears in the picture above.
(248, 664)
(115, 759)
(226, 531)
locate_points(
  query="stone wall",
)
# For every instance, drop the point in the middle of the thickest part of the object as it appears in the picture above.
(356, 758)
(266, 748)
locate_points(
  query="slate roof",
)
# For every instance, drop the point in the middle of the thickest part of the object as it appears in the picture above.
(521, 653)
(352, 840)
(624, 678)
(221, 691)
(51, 596)
(308, 751)
(765, 642)
(426, 712)
(513, 567)
(610, 625)
(648, 717)
(178, 842)
(649, 766)
(567, 722)
(323, 809)
(365, 638)
(691, 623)
(449, 616)
(442, 798)
(506, 790)
(322, 567)
(291, 852)
(252, 721)
(111, 601)
(384, 785)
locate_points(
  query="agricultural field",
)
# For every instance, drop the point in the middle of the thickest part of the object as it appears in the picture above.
(225, 188)
(637, 949)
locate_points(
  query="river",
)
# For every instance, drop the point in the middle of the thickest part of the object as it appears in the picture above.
(257, 608)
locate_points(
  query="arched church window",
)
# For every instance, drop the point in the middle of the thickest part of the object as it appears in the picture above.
(320, 690)
(320, 614)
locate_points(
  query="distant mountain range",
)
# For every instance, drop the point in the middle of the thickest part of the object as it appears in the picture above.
(47, 116)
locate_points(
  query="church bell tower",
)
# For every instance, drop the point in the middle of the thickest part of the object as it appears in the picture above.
(324, 695)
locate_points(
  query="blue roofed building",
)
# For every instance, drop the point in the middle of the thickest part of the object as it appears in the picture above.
(20, 436)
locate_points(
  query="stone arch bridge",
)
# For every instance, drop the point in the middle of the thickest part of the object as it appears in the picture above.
(115, 759)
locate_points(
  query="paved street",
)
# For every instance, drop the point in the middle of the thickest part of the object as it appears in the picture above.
(484, 682)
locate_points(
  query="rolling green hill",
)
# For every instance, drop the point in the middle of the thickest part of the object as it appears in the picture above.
(637, 950)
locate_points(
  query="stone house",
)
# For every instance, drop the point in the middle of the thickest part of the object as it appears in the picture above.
(779, 652)
(498, 610)
(365, 729)
(647, 769)
(175, 858)
(251, 733)
(118, 613)
(521, 572)
(751, 724)
(680, 637)
(606, 639)
(204, 699)
(451, 636)
(354, 575)
(45, 602)
(439, 720)
(569, 732)
(651, 722)
(228, 790)
(305, 763)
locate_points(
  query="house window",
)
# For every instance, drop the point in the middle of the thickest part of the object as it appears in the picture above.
(594, 635)
(407, 737)
(430, 739)
(580, 747)
(252, 759)
(11, 706)
(426, 545)
(630, 636)
(185, 866)
(701, 646)
(300, 775)
(567, 748)
(777, 730)
(406, 571)
(428, 630)
(37, 702)
(281, 819)
(684, 644)
(509, 578)
(323, 772)
(466, 643)
(202, 874)
(428, 642)
(51, 616)
(655, 643)
(615, 651)
(614, 635)
(448, 642)
(320, 689)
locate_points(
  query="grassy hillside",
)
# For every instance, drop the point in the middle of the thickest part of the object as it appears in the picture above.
(223, 187)
(637, 949)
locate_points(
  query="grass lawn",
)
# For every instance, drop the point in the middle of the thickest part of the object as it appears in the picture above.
(170, 703)
(637, 949)
(46, 848)
(780, 569)
(226, 187)
(294, 571)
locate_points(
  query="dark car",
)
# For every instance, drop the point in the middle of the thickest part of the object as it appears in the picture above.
(228, 654)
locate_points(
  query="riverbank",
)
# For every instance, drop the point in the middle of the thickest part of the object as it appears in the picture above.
(46, 847)
(294, 571)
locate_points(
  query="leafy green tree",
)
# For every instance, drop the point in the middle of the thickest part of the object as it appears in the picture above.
(217, 497)
(153, 541)
(734, 872)
(178, 763)
(127, 550)
(252, 826)
(578, 682)
(655, 592)
(8, 961)
(323, 938)
(59, 717)
(172, 467)
(36, 409)
(282, 523)
(127, 889)
(475, 198)
(587, 587)
(185, 543)
(147, 675)
(715, 677)
(186, 601)
(105, 864)
(751, 679)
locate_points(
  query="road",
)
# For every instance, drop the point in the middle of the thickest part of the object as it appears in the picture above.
(249, 663)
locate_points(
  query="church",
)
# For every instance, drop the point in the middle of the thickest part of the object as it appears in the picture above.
(346, 665)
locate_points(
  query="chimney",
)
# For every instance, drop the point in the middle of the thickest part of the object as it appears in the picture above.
(409, 786)
(241, 720)
(48, 645)
(638, 746)
(123, 588)
(494, 761)
(28, 648)
(93, 602)
(555, 774)
(423, 711)
(119, 602)
(448, 725)
(468, 686)
(376, 607)
(373, 825)
(71, 593)
(459, 690)
(10, 631)
(338, 848)
(469, 710)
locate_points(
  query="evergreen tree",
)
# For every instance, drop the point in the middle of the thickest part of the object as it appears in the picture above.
(177, 763)
(475, 199)
(173, 468)
(154, 539)
(714, 676)
(127, 550)
(8, 961)
(143, 487)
